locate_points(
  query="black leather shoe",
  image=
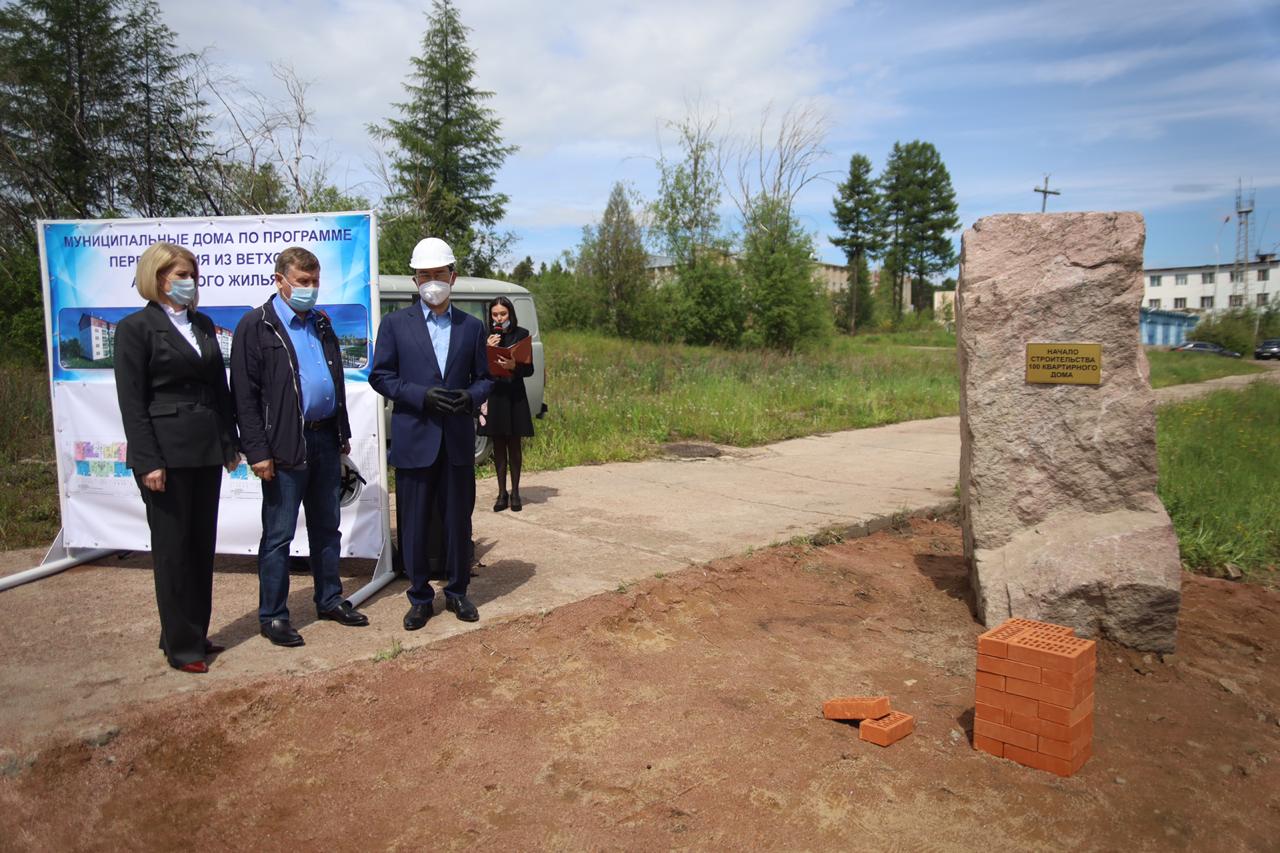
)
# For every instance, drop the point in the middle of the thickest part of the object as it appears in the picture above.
(417, 616)
(345, 614)
(501, 503)
(280, 632)
(516, 503)
(465, 610)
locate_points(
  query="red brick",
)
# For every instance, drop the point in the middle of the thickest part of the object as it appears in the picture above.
(1007, 701)
(855, 707)
(1065, 716)
(1082, 727)
(1065, 749)
(1008, 735)
(1012, 669)
(1025, 757)
(990, 679)
(1046, 695)
(1062, 766)
(1067, 680)
(1058, 652)
(987, 744)
(887, 730)
(994, 642)
(1022, 722)
(983, 711)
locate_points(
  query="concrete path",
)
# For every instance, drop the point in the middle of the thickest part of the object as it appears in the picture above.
(75, 646)
(1181, 393)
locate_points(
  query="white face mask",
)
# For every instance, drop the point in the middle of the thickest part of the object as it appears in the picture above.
(434, 293)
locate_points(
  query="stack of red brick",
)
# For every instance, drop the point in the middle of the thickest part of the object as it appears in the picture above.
(879, 724)
(1034, 700)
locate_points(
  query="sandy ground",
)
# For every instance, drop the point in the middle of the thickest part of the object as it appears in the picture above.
(684, 712)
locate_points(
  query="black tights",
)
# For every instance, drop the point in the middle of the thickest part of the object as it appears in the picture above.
(507, 452)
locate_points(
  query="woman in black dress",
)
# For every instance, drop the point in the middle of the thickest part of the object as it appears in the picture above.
(179, 425)
(506, 418)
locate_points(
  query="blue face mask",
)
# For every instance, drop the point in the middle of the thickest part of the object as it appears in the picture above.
(182, 291)
(303, 298)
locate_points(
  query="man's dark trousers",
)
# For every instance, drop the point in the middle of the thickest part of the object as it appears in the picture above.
(453, 487)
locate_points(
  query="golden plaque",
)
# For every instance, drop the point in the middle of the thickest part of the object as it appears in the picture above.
(1064, 364)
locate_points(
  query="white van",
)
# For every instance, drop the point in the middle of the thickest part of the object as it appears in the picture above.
(473, 296)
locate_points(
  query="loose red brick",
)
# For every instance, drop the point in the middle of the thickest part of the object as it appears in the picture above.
(1005, 734)
(1082, 727)
(987, 744)
(1067, 680)
(887, 730)
(990, 679)
(1065, 716)
(855, 707)
(983, 711)
(1012, 669)
(1025, 757)
(1059, 652)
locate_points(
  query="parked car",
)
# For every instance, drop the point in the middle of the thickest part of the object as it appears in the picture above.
(1270, 348)
(472, 295)
(1205, 347)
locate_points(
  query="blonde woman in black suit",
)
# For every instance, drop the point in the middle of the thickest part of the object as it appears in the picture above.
(179, 423)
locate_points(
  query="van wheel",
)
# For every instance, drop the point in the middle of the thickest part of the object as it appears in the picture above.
(484, 447)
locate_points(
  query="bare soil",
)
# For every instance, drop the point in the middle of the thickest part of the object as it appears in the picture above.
(685, 712)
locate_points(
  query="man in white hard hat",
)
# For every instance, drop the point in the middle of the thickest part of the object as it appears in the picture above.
(430, 361)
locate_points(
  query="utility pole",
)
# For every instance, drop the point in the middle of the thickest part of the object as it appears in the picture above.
(1045, 192)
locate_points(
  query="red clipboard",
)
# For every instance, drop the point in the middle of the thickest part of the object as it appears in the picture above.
(521, 352)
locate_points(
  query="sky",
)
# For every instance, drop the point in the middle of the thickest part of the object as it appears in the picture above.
(1158, 106)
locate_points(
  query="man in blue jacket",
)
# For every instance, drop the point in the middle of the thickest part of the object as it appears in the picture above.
(287, 381)
(430, 362)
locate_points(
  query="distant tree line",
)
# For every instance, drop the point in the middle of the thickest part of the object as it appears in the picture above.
(753, 286)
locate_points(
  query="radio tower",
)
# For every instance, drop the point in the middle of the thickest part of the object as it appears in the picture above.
(1240, 270)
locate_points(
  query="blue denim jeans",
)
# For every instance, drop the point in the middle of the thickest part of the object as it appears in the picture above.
(316, 488)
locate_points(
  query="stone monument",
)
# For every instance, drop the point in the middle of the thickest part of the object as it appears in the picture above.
(1058, 481)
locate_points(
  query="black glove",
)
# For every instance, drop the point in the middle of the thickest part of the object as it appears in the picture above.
(439, 399)
(461, 402)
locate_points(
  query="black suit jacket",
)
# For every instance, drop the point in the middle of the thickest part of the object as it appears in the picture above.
(174, 403)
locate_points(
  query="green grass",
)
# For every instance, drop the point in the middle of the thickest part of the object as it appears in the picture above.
(1177, 368)
(613, 400)
(1220, 479)
(29, 512)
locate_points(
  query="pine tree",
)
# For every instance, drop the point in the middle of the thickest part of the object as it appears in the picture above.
(860, 219)
(613, 258)
(920, 209)
(523, 271)
(94, 121)
(448, 150)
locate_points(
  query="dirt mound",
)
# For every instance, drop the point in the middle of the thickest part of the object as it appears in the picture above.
(685, 712)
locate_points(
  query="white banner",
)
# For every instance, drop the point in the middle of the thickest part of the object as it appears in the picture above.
(88, 269)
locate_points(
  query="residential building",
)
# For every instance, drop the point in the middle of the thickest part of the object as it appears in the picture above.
(97, 337)
(1212, 287)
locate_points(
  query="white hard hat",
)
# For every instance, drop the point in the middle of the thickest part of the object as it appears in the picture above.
(431, 253)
